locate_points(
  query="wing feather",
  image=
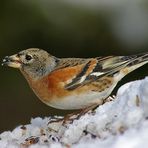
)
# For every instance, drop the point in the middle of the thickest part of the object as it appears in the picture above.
(104, 66)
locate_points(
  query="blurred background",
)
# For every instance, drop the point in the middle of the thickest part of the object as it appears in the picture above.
(67, 28)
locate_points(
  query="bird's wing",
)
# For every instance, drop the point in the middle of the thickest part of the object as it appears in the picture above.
(97, 68)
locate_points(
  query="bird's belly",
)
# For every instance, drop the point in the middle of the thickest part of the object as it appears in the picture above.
(79, 101)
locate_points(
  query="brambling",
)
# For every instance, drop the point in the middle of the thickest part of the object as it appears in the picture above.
(73, 83)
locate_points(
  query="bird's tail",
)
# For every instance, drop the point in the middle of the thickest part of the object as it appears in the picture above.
(119, 62)
(136, 61)
(129, 64)
(123, 65)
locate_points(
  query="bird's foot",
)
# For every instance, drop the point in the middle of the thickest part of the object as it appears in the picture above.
(110, 98)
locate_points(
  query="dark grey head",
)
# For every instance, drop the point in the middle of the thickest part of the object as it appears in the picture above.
(33, 62)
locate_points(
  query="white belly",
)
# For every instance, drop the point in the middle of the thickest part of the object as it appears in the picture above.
(80, 101)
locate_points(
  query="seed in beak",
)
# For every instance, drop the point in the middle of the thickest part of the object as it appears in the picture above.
(12, 61)
(5, 60)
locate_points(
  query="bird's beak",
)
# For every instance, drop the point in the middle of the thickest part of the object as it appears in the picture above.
(12, 61)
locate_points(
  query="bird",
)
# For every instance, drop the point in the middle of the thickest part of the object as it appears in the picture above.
(73, 83)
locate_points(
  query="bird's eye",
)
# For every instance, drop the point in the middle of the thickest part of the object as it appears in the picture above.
(28, 57)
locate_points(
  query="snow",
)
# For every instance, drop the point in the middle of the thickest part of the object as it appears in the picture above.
(120, 123)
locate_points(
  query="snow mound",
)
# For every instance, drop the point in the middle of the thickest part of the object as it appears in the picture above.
(120, 123)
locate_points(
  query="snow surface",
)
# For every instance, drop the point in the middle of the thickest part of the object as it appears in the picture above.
(120, 123)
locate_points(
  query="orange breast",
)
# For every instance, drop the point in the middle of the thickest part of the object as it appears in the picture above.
(52, 86)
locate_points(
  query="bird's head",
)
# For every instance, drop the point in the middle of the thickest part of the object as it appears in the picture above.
(33, 62)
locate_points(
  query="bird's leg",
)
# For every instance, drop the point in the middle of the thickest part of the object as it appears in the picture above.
(71, 116)
(110, 98)
(76, 115)
(87, 109)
